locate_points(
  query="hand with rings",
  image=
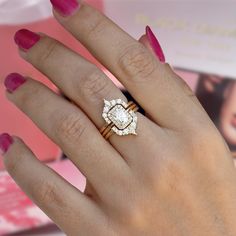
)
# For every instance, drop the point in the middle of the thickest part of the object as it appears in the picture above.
(166, 173)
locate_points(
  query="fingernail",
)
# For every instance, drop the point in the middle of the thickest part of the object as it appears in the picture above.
(65, 7)
(14, 81)
(155, 44)
(26, 39)
(5, 142)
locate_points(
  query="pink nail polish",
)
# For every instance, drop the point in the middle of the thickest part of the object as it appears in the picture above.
(65, 7)
(5, 142)
(155, 44)
(26, 39)
(13, 81)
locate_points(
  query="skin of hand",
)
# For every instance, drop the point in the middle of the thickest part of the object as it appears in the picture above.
(176, 177)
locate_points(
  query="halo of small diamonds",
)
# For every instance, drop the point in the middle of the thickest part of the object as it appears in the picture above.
(115, 112)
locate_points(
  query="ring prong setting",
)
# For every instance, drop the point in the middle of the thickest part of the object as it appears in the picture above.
(124, 120)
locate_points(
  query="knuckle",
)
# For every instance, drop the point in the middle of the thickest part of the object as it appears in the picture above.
(133, 210)
(70, 127)
(137, 62)
(14, 163)
(95, 86)
(48, 192)
(96, 27)
(134, 214)
(29, 98)
(47, 52)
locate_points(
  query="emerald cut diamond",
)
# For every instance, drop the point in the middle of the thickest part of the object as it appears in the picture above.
(124, 120)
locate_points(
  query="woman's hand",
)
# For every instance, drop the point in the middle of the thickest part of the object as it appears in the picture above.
(175, 178)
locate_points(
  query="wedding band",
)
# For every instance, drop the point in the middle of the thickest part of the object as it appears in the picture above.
(120, 118)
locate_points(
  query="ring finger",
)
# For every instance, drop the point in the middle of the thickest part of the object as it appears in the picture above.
(84, 84)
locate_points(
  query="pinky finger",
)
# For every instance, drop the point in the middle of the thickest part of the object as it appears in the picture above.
(150, 41)
(70, 209)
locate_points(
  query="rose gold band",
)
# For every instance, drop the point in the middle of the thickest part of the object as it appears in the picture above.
(106, 130)
(132, 106)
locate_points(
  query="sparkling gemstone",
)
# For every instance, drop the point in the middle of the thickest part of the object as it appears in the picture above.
(106, 109)
(114, 129)
(124, 104)
(120, 132)
(125, 131)
(120, 117)
(107, 103)
(133, 124)
(107, 120)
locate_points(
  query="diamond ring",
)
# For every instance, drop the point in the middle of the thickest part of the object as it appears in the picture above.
(120, 118)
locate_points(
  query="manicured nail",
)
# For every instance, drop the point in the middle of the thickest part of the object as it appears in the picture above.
(155, 44)
(65, 7)
(26, 39)
(14, 81)
(5, 142)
